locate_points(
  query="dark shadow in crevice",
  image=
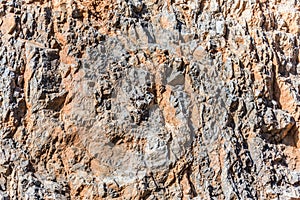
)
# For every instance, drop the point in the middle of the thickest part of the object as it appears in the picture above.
(292, 137)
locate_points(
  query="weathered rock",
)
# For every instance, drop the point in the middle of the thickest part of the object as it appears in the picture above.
(149, 99)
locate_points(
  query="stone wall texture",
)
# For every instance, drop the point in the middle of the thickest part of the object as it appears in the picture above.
(149, 99)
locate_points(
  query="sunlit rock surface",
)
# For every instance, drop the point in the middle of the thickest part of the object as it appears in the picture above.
(149, 99)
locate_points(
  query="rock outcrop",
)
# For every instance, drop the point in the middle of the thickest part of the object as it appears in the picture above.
(149, 99)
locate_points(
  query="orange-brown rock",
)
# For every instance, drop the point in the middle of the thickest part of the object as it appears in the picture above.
(149, 99)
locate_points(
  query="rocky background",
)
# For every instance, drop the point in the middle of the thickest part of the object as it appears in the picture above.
(149, 99)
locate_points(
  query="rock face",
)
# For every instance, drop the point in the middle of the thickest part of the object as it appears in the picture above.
(149, 99)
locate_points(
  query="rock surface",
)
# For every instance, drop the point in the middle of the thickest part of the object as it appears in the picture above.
(149, 99)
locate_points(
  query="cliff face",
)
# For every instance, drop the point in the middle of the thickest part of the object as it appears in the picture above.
(149, 99)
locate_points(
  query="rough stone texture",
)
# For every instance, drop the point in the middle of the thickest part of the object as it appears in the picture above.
(149, 99)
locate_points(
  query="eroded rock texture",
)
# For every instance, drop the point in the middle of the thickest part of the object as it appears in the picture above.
(149, 99)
